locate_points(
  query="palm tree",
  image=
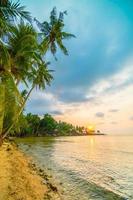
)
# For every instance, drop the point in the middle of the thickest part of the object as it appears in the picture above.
(20, 50)
(39, 78)
(25, 65)
(52, 34)
(22, 59)
(22, 47)
(10, 11)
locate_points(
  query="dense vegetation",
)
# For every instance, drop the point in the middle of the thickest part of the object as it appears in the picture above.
(33, 125)
(23, 49)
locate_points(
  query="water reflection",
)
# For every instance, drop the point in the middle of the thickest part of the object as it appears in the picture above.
(46, 141)
(92, 141)
(87, 166)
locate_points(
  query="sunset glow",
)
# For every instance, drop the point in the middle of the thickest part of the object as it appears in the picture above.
(91, 128)
(102, 93)
(66, 99)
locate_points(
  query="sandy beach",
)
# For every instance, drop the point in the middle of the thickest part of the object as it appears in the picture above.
(19, 180)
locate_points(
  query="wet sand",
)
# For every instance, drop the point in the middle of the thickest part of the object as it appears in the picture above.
(20, 179)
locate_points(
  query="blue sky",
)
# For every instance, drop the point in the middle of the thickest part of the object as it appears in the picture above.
(94, 84)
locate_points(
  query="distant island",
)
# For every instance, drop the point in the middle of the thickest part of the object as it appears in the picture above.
(34, 125)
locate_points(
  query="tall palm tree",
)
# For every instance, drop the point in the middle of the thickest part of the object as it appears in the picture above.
(52, 33)
(21, 59)
(25, 65)
(9, 11)
(39, 78)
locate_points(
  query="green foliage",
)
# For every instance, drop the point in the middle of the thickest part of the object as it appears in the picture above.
(33, 125)
(9, 12)
(10, 100)
(22, 61)
(52, 34)
(48, 124)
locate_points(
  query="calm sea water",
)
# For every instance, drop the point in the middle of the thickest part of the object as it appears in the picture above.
(86, 167)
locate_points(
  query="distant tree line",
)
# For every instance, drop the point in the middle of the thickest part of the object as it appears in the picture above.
(33, 125)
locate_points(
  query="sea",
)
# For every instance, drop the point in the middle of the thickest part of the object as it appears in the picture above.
(85, 167)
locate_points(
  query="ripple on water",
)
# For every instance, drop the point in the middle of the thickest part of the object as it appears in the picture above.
(94, 168)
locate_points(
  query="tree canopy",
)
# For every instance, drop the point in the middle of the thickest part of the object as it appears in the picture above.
(33, 125)
(22, 50)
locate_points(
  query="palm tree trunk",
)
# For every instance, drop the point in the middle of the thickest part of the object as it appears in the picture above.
(2, 110)
(1, 140)
(19, 113)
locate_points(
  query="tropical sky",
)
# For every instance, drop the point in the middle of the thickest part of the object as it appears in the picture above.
(94, 84)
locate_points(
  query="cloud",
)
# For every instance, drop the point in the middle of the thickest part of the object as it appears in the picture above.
(56, 112)
(98, 69)
(114, 122)
(74, 96)
(99, 114)
(131, 118)
(113, 110)
(42, 102)
(99, 50)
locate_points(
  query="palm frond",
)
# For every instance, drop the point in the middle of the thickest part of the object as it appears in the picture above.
(53, 48)
(53, 16)
(13, 100)
(45, 45)
(44, 27)
(42, 76)
(4, 26)
(67, 35)
(9, 10)
(62, 47)
(39, 24)
(23, 46)
(4, 56)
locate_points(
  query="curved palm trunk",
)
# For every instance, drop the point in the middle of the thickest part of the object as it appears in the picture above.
(1, 140)
(19, 113)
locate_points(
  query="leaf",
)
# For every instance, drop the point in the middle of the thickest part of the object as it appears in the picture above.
(62, 47)
(12, 10)
(53, 16)
(67, 35)
(4, 56)
(12, 102)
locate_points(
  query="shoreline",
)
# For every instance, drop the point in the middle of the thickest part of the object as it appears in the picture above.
(56, 136)
(21, 178)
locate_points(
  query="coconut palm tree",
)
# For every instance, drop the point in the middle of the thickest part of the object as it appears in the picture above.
(10, 98)
(39, 78)
(21, 59)
(22, 47)
(52, 33)
(9, 11)
(25, 65)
